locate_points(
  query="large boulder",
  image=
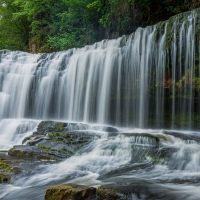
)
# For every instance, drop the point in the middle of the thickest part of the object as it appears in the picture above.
(53, 141)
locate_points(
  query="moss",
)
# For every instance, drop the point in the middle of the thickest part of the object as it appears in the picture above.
(107, 193)
(156, 35)
(60, 127)
(21, 154)
(4, 178)
(183, 119)
(16, 170)
(16, 153)
(63, 149)
(43, 147)
(3, 165)
(53, 134)
(69, 192)
(169, 33)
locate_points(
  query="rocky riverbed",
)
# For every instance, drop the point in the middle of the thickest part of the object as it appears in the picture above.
(78, 150)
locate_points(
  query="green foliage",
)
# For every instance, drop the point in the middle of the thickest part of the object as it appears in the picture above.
(75, 26)
(14, 32)
(51, 25)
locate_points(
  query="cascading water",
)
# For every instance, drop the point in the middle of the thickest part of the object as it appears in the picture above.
(150, 79)
(129, 81)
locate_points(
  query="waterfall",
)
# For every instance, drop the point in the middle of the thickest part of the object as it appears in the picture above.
(148, 79)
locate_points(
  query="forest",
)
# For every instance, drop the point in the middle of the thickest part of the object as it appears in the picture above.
(54, 25)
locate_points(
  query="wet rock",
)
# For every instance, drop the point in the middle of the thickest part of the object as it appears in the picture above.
(192, 136)
(107, 193)
(53, 141)
(30, 153)
(49, 126)
(45, 157)
(54, 126)
(108, 129)
(117, 192)
(25, 140)
(140, 137)
(8, 167)
(70, 192)
(4, 178)
(36, 140)
(21, 153)
(81, 192)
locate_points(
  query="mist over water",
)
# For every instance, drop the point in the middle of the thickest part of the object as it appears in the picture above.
(134, 83)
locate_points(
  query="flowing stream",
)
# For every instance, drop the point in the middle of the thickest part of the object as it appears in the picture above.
(146, 83)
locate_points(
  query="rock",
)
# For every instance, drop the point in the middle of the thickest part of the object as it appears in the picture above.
(108, 129)
(49, 126)
(26, 152)
(25, 140)
(44, 157)
(53, 141)
(8, 167)
(21, 153)
(4, 178)
(107, 193)
(191, 136)
(80, 192)
(70, 192)
(117, 192)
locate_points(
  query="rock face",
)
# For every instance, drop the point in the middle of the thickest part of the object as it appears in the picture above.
(70, 192)
(53, 141)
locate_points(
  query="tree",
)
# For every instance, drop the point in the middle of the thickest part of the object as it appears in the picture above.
(54, 25)
(74, 26)
(14, 34)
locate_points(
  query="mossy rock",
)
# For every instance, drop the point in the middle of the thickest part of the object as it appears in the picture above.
(4, 178)
(117, 192)
(51, 141)
(44, 147)
(107, 193)
(70, 192)
(50, 126)
(3, 165)
(26, 139)
(21, 154)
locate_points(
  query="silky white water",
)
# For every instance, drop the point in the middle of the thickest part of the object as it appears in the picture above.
(149, 79)
(123, 159)
(135, 81)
